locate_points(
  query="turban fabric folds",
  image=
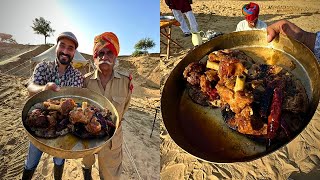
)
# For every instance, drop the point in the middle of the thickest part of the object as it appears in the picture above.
(108, 40)
(251, 11)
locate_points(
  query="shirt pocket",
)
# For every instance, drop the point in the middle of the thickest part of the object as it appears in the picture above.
(119, 102)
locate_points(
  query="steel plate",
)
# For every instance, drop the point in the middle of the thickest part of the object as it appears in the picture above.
(70, 146)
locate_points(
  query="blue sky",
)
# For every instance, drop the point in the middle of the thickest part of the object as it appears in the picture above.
(130, 20)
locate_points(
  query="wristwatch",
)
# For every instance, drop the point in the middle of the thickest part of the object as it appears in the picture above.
(317, 46)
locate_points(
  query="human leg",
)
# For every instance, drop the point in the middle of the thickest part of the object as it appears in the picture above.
(192, 20)
(183, 24)
(32, 161)
(110, 157)
(58, 168)
(87, 163)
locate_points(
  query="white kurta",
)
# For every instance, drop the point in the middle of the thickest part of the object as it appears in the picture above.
(243, 26)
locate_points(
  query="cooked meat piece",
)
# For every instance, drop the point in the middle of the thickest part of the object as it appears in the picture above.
(64, 107)
(212, 75)
(229, 67)
(194, 78)
(204, 84)
(67, 104)
(296, 97)
(62, 127)
(36, 119)
(219, 55)
(197, 95)
(237, 101)
(242, 124)
(80, 115)
(207, 87)
(227, 53)
(193, 72)
(245, 126)
(230, 82)
(258, 71)
(93, 126)
(52, 118)
(226, 95)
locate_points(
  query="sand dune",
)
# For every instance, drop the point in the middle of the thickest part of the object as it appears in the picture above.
(141, 152)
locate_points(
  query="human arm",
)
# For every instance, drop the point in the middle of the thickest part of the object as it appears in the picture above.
(39, 80)
(287, 28)
(34, 88)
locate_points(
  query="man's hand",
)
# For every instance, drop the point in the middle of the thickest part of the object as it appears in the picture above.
(35, 88)
(284, 27)
(51, 86)
(289, 29)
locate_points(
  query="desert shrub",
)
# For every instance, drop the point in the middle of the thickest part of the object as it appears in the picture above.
(142, 46)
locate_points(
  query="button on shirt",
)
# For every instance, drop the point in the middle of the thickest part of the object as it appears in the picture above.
(117, 89)
(47, 71)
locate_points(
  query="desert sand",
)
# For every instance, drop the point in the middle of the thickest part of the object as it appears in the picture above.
(297, 160)
(141, 152)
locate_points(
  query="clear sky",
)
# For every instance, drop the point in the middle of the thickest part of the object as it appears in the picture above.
(130, 20)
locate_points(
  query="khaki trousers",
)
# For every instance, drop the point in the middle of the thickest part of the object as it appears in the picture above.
(109, 158)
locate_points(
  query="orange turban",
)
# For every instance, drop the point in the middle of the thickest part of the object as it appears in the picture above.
(108, 40)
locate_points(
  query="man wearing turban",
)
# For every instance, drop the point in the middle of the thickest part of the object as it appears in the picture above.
(117, 87)
(251, 22)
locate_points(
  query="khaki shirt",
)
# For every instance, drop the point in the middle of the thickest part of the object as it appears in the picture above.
(118, 89)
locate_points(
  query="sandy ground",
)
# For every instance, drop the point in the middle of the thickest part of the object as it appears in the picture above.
(141, 152)
(300, 159)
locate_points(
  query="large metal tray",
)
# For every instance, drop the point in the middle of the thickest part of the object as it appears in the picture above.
(70, 146)
(200, 130)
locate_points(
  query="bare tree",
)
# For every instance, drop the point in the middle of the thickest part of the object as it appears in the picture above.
(42, 26)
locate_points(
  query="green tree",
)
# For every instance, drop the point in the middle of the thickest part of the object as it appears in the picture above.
(42, 26)
(142, 45)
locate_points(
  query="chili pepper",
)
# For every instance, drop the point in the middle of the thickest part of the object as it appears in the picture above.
(275, 113)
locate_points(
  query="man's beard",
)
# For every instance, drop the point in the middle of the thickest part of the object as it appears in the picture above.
(62, 61)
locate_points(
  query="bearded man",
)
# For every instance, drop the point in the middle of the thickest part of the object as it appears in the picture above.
(51, 75)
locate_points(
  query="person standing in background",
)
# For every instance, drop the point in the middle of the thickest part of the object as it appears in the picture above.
(251, 22)
(180, 7)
